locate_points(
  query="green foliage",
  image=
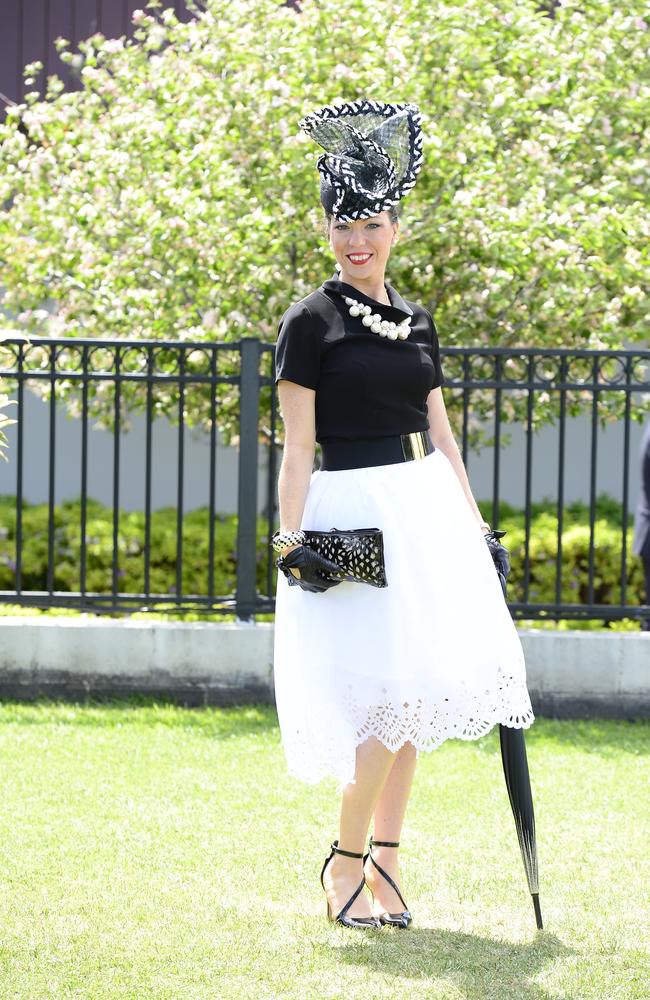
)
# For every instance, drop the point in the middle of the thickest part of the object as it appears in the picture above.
(5, 421)
(130, 549)
(174, 195)
(543, 549)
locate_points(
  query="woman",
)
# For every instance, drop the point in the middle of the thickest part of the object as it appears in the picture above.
(367, 677)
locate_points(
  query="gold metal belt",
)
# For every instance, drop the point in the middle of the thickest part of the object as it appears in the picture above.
(417, 444)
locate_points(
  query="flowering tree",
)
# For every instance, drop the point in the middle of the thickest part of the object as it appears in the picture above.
(174, 195)
(4, 422)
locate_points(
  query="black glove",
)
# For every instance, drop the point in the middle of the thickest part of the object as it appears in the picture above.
(314, 569)
(499, 553)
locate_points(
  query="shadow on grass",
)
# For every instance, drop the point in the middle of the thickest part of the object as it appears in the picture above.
(594, 736)
(144, 710)
(602, 737)
(475, 964)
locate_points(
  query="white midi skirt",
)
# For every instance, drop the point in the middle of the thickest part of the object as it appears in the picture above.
(433, 655)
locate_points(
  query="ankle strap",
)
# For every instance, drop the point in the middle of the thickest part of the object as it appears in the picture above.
(384, 843)
(348, 854)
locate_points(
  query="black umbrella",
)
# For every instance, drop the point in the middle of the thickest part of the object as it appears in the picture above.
(515, 768)
(515, 761)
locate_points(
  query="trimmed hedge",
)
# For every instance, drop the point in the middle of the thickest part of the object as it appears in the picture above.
(99, 549)
(608, 546)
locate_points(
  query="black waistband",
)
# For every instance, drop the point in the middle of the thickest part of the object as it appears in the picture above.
(341, 453)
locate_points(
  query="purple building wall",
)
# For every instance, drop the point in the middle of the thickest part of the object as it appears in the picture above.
(28, 29)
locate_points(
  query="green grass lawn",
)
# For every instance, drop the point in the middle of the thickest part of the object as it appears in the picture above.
(151, 851)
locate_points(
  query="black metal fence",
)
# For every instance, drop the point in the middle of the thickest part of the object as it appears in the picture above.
(197, 383)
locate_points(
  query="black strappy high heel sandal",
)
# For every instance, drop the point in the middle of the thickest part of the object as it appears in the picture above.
(342, 917)
(389, 919)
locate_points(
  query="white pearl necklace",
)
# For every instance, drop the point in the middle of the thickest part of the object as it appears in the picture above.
(384, 327)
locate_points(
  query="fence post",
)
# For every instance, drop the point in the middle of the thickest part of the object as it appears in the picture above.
(247, 485)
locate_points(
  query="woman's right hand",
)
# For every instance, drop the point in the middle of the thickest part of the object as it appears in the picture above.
(313, 569)
(285, 552)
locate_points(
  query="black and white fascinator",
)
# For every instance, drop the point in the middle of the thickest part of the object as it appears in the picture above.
(374, 154)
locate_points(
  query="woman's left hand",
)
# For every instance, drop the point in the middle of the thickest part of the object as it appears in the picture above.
(499, 553)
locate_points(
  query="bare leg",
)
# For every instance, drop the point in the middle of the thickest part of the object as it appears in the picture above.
(342, 875)
(388, 818)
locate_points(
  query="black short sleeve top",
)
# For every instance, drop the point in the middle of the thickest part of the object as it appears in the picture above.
(366, 385)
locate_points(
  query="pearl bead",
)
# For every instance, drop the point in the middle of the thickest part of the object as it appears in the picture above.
(376, 322)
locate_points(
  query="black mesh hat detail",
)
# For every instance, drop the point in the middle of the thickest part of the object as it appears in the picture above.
(374, 154)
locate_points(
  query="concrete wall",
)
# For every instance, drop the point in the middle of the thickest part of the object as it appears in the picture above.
(132, 455)
(571, 674)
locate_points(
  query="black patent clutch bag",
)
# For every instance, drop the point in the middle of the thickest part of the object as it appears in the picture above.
(359, 552)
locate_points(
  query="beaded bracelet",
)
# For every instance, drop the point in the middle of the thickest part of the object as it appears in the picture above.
(281, 540)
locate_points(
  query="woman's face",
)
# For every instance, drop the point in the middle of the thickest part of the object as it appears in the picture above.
(362, 247)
